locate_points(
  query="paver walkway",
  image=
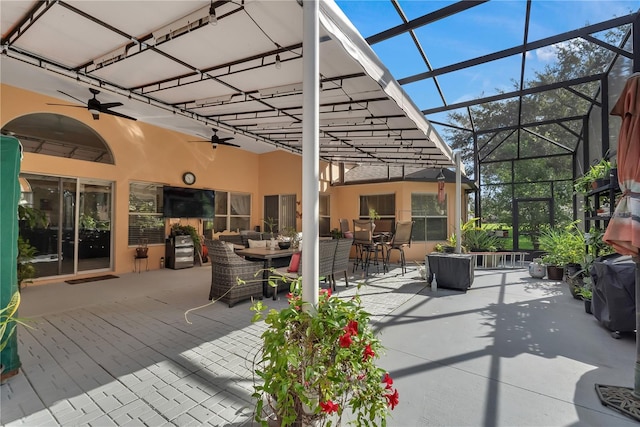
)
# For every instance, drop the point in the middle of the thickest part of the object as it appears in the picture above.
(510, 351)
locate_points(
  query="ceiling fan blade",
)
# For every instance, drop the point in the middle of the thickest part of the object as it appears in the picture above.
(115, 113)
(106, 105)
(222, 140)
(231, 144)
(73, 97)
(67, 105)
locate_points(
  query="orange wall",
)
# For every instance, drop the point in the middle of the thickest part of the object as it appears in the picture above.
(144, 152)
(345, 204)
(141, 152)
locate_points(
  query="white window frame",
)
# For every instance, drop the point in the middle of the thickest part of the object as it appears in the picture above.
(426, 216)
(228, 214)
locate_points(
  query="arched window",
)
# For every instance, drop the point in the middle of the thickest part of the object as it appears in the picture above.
(58, 135)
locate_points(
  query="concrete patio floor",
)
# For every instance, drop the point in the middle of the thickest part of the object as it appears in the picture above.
(512, 351)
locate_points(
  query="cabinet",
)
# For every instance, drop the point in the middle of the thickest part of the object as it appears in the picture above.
(179, 252)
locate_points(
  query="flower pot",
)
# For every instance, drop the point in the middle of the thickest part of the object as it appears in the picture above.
(555, 272)
(284, 245)
(572, 269)
(587, 306)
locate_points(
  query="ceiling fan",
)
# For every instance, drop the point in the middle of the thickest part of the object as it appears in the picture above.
(215, 140)
(96, 107)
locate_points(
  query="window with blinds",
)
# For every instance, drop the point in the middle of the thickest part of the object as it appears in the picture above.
(146, 222)
(282, 208)
(384, 204)
(430, 217)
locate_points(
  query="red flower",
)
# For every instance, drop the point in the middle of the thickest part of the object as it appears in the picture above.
(387, 379)
(345, 340)
(392, 399)
(329, 406)
(352, 327)
(368, 353)
(325, 291)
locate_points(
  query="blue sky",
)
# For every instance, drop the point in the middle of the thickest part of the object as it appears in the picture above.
(492, 26)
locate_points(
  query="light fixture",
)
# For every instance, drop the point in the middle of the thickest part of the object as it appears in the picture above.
(213, 19)
(440, 178)
(278, 62)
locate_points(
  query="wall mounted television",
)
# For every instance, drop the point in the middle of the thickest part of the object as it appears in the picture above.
(179, 202)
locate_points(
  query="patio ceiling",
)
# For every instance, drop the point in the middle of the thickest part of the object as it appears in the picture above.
(509, 35)
(169, 65)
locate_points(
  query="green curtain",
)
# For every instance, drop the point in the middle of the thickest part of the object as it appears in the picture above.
(10, 195)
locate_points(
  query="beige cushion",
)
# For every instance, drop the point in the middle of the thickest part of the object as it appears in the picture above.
(257, 243)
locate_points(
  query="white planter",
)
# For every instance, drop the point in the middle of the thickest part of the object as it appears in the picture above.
(537, 270)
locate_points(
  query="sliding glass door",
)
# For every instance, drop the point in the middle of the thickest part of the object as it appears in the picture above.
(74, 237)
(94, 236)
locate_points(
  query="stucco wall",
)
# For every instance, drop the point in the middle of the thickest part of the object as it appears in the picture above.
(147, 153)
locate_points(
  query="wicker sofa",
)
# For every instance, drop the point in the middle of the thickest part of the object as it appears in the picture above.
(243, 237)
(226, 269)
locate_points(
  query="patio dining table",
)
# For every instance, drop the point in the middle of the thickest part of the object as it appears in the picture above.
(267, 255)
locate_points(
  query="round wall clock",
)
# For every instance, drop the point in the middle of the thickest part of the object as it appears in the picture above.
(188, 178)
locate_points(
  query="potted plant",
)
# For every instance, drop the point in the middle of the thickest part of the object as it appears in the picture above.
(318, 361)
(373, 214)
(586, 294)
(563, 245)
(31, 218)
(8, 324)
(479, 239)
(336, 233)
(596, 176)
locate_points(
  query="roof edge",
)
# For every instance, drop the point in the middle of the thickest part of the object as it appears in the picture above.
(336, 22)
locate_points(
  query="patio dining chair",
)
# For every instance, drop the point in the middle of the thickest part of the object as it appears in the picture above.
(401, 239)
(344, 226)
(366, 247)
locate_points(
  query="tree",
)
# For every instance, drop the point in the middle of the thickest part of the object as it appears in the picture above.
(536, 161)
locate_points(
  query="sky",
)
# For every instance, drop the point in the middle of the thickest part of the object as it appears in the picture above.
(487, 28)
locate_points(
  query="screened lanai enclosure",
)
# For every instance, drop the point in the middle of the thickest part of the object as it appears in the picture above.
(527, 138)
(522, 89)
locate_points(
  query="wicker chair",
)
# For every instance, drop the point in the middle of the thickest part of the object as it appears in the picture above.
(226, 268)
(326, 253)
(341, 260)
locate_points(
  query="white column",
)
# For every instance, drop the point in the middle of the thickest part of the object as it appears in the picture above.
(458, 203)
(310, 151)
